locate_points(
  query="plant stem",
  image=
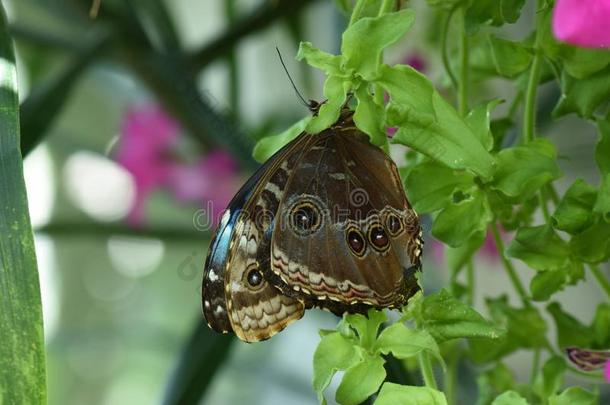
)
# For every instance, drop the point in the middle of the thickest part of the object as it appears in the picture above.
(357, 11)
(543, 205)
(386, 6)
(529, 114)
(451, 375)
(427, 372)
(445, 51)
(601, 279)
(463, 83)
(512, 273)
(470, 280)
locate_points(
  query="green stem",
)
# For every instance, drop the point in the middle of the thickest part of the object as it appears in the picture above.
(470, 280)
(512, 273)
(425, 366)
(535, 366)
(445, 50)
(529, 114)
(357, 11)
(451, 374)
(543, 205)
(386, 7)
(463, 83)
(601, 279)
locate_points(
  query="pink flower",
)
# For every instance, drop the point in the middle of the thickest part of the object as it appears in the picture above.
(582, 22)
(148, 137)
(607, 371)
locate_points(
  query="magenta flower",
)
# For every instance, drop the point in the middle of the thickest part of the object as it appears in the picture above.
(582, 22)
(146, 150)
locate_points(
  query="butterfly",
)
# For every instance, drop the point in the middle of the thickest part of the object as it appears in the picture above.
(325, 223)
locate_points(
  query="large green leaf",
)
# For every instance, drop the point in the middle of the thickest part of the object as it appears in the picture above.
(574, 212)
(22, 358)
(361, 381)
(392, 394)
(583, 96)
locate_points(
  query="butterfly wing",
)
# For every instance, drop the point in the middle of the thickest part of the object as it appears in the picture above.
(236, 295)
(346, 234)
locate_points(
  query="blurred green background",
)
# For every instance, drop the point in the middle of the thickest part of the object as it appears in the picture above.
(121, 298)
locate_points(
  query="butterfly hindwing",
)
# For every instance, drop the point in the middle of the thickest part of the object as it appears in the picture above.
(237, 297)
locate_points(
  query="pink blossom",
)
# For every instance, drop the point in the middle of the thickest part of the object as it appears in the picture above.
(582, 22)
(148, 137)
(607, 371)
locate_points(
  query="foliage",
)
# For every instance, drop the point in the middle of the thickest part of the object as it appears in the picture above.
(472, 182)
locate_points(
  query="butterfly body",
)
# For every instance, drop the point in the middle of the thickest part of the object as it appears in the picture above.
(323, 223)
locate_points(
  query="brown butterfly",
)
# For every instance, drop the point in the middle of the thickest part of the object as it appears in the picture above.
(323, 223)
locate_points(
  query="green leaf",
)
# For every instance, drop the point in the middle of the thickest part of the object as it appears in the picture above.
(455, 224)
(510, 398)
(602, 203)
(361, 381)
(431, 185)
(393, 394)
(334, 352)
(366, 326)
(570, 332)
(581, 62)
(593, 244)
(364, 40)
(478, 121)
(523, 170)
(446, 318)
(574, 212)
(525, 326)
(601, 325)
(583, 96)
(574, 396)
(497, 56)
(335, 92)
(540, 247)
(326, 62)
(409, 89)
(370, 116)
(546, 283)
(602, 150)
(444, 136)
(404, 343)
(551, 378)
(22, 351)
(445, 4)
(492, 12)
(268, 146)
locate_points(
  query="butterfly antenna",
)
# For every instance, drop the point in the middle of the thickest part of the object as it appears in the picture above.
(296, 90)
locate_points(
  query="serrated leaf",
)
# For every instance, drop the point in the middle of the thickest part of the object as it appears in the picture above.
(268, 146)
(581, 62)
(326, 62)
(525, 326)
(335, 92)
(492, 12)
(366, 326)
(393, 394)
(523, 170)
(574, 396)
(334, 352)
(574, 212)
(570, 331)
(370, 116)
(540, 247)
(551, 378)
(593, 244)
(444, 136)
(404, 343)
(364, 40)
(546, 283)
(446, 318)
(497, 56)
(431, 185)
(361, 381)
(456, 223)
(510, 398)
(478, 121)
(602, 203)
(583, 96)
